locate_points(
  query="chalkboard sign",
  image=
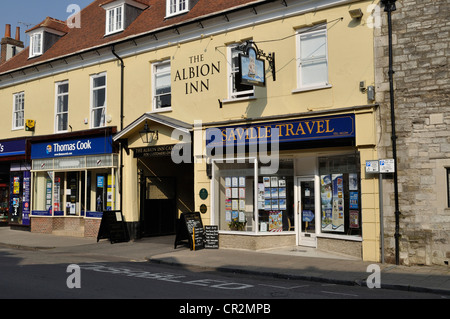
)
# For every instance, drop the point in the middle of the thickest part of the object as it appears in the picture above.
(113, 227)
(190, 227)
(212, 237)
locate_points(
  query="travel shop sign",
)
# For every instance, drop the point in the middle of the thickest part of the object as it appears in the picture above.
(331, 127)
(78, 147)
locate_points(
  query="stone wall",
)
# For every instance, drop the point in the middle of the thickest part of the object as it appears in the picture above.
(422, 108)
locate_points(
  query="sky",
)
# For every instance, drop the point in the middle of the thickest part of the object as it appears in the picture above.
(27, 13)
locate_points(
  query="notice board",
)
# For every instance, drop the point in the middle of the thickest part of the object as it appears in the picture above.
(190, 228)
(113, 227)
(212, 237)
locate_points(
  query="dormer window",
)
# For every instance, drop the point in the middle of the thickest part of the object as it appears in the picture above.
(36, 44)
(174, 7)
(114, 19)
(120, 14)
(44, 35)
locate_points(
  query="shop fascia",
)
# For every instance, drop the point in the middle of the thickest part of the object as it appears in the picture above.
(234, 142)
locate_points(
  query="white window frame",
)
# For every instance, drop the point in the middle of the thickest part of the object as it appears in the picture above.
(116, 25)
(58, 114)
(18, 120)
(154, 94)
(36, 44)
(94, 108)
(175, 7)
(248, 94)
(317, 30)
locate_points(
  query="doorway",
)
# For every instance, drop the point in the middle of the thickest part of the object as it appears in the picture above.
(159, 209)
(306, 207)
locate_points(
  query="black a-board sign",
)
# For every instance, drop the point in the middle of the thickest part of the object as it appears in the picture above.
(190, 228)
(212, 237)
(113, 227)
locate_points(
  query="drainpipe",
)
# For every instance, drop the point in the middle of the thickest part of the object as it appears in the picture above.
(389, 6)
(122, 67)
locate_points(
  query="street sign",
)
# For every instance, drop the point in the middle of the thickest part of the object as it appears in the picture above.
(372, 167)
(387, 166)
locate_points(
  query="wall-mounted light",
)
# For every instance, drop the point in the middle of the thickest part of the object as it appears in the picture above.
(147, 135)
(356, 13)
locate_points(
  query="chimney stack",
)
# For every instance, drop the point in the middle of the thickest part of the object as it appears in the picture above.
(17, 33)
(8, 31)
(9, 46)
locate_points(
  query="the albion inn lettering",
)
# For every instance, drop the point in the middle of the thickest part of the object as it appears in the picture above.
(197, 75)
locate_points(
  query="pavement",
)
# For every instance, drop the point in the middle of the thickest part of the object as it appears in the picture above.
(287, 262)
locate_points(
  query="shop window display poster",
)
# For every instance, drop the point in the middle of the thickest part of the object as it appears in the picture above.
(276, 221)
(326, 197)
(338, 203)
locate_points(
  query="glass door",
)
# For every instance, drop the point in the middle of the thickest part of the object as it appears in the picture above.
(306, 211)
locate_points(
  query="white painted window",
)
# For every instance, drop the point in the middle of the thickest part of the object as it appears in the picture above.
(235, 88)
(115, 19)
(174, 7)
(312, 57)
(36, 45)
(98, 100)
(62, 107)
(162, 87)
(18, 111)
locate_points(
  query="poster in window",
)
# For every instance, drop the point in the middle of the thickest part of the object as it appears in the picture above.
(282, 203)
(235, 192)
(353, 182)
(242, 181)
(276, 221)
(325, 197)
(354, 219)
(235, 204)
(242, 204)
(275, 204)
(234, 215)
(338, 203)
(228, 216)
(266, 181)
(268, 204)
(227, 181)
(228, 204)
(353, 200)
(241, 192)
(274, 181)
(234, 182)
(274, 192)
(228, 192)
(282, 192)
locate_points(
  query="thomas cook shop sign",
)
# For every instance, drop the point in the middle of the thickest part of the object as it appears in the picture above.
(332, 127)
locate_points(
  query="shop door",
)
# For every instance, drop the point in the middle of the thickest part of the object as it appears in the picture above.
(159, 206)
(306, 211)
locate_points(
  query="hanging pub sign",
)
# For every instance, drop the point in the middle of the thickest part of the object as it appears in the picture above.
(252, 69)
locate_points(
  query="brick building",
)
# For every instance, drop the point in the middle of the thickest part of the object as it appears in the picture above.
(420, 32)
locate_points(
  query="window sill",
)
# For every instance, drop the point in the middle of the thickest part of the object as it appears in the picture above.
(238, 99)
(312, 88)
(161, 110)
(171, 15)
(18, 128)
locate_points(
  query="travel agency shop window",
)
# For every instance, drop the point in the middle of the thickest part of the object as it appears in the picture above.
(74, 177)
(254, 186)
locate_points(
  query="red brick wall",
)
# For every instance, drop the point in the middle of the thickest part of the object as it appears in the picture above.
(91, 227)
(43, 225)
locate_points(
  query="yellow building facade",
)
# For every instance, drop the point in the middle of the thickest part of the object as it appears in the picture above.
(181, 85)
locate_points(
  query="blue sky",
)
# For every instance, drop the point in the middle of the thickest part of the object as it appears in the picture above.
(32, 12)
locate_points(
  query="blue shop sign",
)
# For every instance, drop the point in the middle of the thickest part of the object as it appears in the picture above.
(78, 147)
(331, 127)
(12, 148)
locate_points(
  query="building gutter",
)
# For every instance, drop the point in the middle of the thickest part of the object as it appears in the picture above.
(122, 71)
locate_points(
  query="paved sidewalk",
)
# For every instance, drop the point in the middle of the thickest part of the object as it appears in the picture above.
(289, 262)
